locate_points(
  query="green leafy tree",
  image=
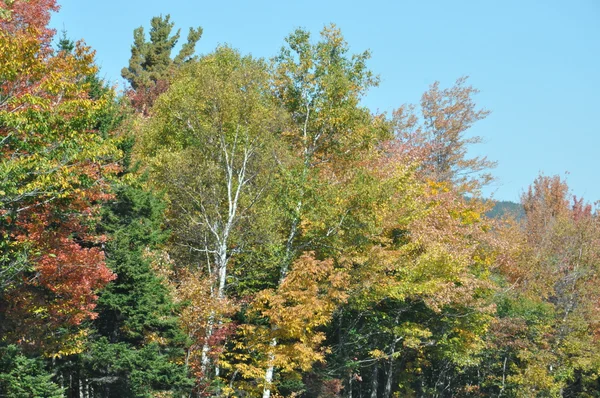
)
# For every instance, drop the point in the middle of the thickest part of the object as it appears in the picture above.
(420, 305)
(210, 145)
(327, 194)
(64, 43)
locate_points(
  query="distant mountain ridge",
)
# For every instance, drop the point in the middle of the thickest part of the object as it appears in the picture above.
(504, 208)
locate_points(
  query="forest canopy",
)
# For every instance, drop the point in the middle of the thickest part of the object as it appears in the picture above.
(233, 226)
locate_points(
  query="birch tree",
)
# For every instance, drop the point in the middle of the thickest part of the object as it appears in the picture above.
(320, 85)
(210, 141)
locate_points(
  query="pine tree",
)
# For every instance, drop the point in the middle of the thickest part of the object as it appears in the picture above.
(151, 66)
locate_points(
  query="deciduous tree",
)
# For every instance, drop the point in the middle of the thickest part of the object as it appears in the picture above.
(437, 135)
(210, 145)
(53, 175)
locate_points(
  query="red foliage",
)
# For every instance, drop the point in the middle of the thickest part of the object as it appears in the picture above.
(54, 195)
(143, 98)
(69, 269)
(30, 14)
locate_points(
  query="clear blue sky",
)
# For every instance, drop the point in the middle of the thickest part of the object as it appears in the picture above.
(537, 63)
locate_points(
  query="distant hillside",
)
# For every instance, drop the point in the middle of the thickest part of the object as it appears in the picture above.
(503, 208)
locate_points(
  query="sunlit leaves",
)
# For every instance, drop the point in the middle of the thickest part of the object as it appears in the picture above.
(296, 311)
(437, 136)
(54, 166)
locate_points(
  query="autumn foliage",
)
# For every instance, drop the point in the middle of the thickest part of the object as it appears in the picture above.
(231, 226)
(55, 167)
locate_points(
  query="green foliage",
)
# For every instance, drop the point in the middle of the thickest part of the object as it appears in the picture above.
(151, 60)
(24, 377)
(248, 228)
(321, 86)
(64, 43)
(210, 144)
(126, 370)
(137, 302)
(151, 67)
(137, 347)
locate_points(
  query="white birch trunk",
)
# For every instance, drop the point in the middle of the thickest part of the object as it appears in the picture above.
(236, 180)
(270, 370)
(350, 378)
(387, 392)
(205, 360)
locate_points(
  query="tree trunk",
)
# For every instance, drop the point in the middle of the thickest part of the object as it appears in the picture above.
(205, 361)
(375, 381)
(270, 370)
(350, 378)
(284, 270)
(80, 383)
(387, 392)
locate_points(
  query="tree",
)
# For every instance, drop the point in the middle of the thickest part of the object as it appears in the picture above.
(54, 173)
(336, 145)
(544, 340)
(209, 145)
(562, 238)
(33, 15)
(21, 376)
(151, 67)
(320, 86)
(136, 347)
(436, 135)
(292, 316)
(421, 301)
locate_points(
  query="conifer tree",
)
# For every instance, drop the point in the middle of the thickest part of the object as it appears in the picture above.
(134, 347)
(151, 66)
(137, 346)
(22, 376)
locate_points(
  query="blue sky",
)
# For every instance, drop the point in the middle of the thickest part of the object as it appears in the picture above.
(537, 63)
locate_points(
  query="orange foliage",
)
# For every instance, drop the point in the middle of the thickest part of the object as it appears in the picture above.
(56, 167)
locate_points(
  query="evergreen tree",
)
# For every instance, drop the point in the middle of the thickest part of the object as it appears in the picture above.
(151, 65)
(137, 346)
(134, 346)
(64, 43)
(21, 376)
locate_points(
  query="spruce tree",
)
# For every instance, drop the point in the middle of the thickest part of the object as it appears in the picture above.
(137, 347)
(24, 376)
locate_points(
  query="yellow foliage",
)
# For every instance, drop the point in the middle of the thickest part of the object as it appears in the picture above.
(70, 344)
